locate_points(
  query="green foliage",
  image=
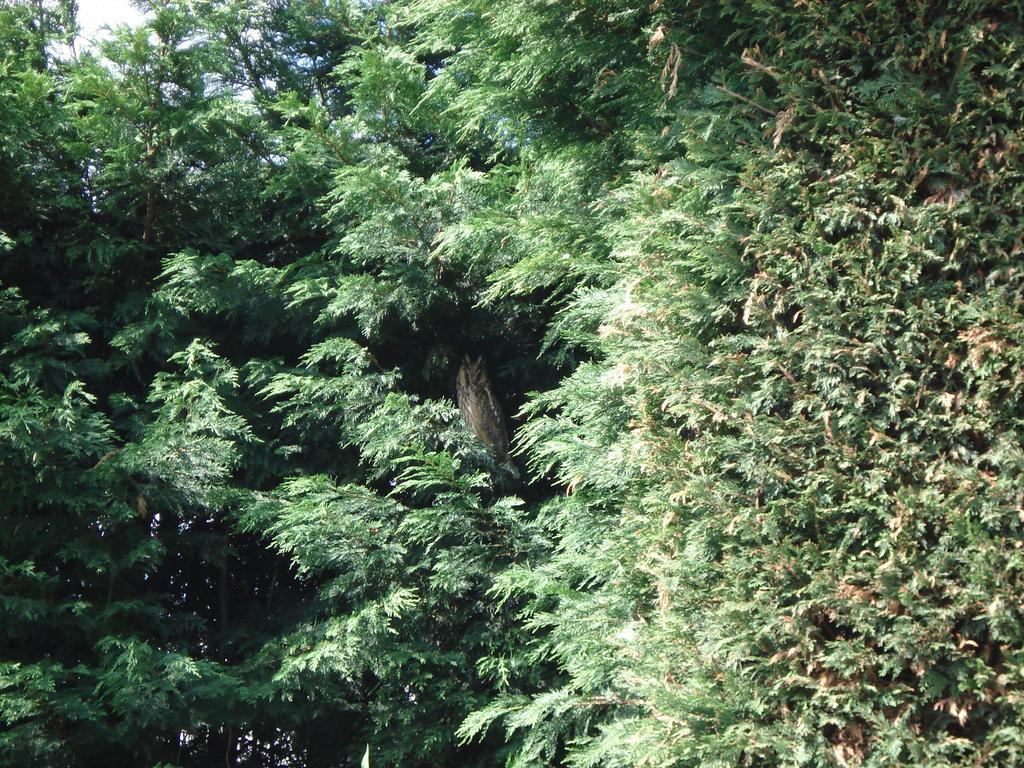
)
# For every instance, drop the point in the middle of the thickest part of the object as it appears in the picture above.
(795, 443)
(744, 277)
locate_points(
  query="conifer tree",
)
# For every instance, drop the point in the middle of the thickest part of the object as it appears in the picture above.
(135, 614)
(795, 440)
(741, 278)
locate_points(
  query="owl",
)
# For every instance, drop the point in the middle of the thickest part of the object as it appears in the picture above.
(480, 407)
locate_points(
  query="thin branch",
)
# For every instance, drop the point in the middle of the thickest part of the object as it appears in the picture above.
(745, 100)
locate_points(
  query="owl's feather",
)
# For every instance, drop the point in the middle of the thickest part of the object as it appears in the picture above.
(480, 407)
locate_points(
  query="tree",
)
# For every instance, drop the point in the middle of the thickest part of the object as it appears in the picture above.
(737, 281)
(793, 445)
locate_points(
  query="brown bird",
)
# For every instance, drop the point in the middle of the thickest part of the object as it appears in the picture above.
(480, 408)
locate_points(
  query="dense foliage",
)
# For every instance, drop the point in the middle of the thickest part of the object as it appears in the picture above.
(742, 281)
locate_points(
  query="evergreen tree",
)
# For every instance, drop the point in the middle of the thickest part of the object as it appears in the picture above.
(794, 514)
(739, 280)
(136, 615)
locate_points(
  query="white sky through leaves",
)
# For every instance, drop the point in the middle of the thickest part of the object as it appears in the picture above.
(94, 15)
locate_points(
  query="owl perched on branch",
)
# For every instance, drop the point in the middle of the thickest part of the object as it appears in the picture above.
(480, 407)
